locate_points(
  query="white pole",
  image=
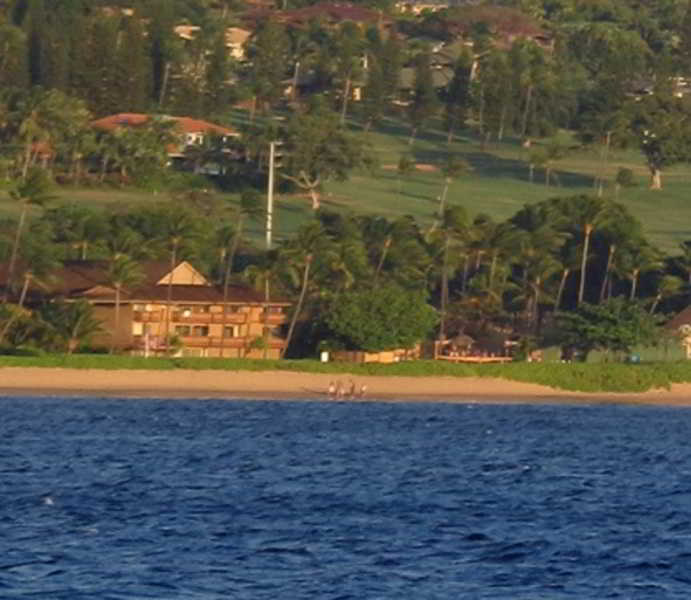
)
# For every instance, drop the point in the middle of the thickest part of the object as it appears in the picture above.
(270, 197)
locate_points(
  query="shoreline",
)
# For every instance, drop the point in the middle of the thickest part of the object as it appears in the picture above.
(290, 385)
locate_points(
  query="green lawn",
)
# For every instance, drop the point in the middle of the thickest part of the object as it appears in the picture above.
(497, 185)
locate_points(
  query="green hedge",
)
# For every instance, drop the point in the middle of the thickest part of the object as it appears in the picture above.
(582, 377)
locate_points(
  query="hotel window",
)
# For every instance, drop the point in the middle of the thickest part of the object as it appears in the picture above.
(231, 331)
(183, 330)
(200, 331)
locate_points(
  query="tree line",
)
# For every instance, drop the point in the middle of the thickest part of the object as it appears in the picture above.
(608, 71)
(364, 282)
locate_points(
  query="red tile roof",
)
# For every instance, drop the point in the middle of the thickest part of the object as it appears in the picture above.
(184, 124)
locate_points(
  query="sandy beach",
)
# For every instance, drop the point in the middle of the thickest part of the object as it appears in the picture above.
(16, 381)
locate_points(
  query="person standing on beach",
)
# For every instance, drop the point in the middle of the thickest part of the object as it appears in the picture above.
(351, 389)
(332, 390)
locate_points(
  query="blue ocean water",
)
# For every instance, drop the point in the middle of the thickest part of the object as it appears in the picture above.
(115, 499)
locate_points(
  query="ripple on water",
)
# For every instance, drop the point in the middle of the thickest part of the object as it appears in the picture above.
(115, 499)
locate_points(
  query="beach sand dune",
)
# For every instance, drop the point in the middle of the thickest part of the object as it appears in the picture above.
(21, 381)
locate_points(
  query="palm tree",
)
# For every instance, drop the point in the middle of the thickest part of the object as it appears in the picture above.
(178, 228)
(617, 232)
(588, 214)
(71, 323)
(452, 228)
(570, 261)
(32, 191)
(77, 226)
(669, 286)
(638, 259)
(262, 277)
(41, 263)
(230, 237)
(124, 242)
(123, 272)
(312, 242)
(453, 169)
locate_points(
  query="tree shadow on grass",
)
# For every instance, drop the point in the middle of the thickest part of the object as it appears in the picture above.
(485, 164)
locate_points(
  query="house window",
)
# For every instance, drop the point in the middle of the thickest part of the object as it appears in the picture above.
(200, 331)
(182, 330)
(231, 331)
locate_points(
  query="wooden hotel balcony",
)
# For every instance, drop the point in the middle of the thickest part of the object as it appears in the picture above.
(209, 318)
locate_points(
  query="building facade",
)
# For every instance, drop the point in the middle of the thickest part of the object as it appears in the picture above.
(176, 312)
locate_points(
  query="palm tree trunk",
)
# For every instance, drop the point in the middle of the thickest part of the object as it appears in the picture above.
(226, 281)
(634, 284)
(536, 303)
(298, 308)
(492, 267)
(344, 105)
(117, 317)
(526, 111)
(169, 295)
(382, 258)
(15, 251)
(15, 314)
(267, 301)
(610, 258)
(584, 259)
(444, 291)
(442, 198)
(466, 265)
(562, 285)
(655, 303)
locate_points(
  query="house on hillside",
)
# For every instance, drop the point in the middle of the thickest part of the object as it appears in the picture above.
(197, 320)
(191, 133)
(414, 7)
(235, 38)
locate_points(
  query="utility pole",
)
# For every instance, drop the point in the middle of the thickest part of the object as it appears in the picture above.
(270, 196)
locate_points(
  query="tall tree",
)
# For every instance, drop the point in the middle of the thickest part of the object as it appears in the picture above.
(268, 53)
(32, 191)
(310, 244)
(318, 150)
(457, 97)
(123, 273)
(348, 52)
(132, 69)
(588, 214)
(453, 227)
(662, 123)
(178, 232)
(424, 102)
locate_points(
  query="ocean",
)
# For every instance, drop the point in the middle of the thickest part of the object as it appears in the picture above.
(114, 499)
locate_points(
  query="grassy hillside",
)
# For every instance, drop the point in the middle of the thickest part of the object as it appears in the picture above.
(498, 184)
